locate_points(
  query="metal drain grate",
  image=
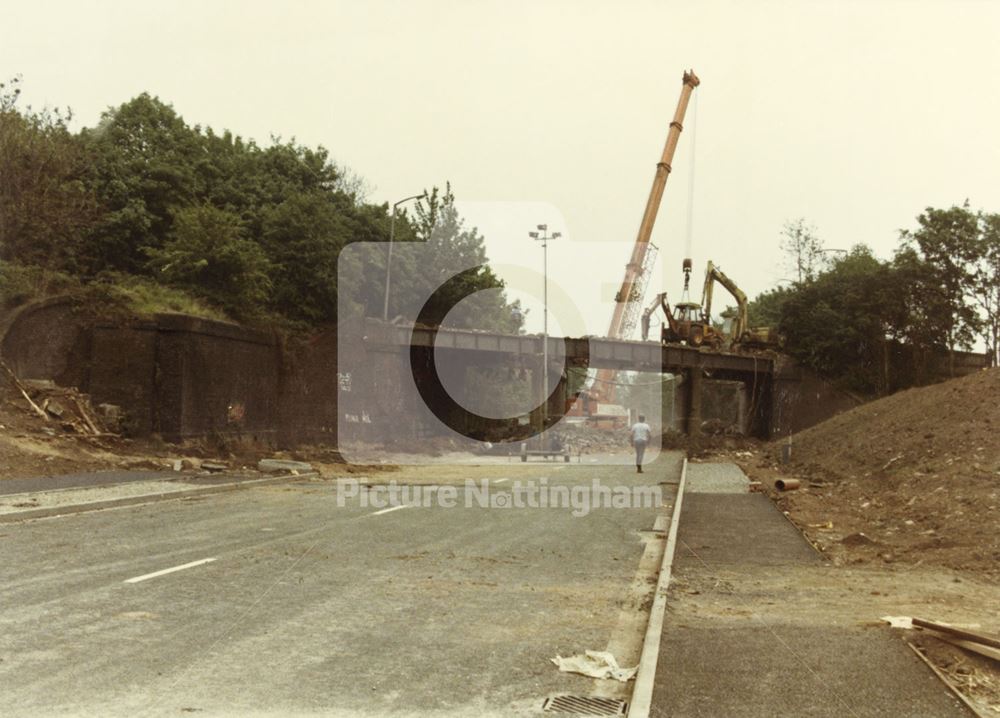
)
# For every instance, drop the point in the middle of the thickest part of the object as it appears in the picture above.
(585, 705)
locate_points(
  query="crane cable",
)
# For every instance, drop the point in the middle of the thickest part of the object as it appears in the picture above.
(690, 204)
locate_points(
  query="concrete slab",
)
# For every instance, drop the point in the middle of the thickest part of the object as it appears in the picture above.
(740, 532)
(717, 661)
(764, 670)
(716, 479)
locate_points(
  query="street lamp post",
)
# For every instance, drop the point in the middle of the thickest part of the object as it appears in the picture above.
(543, 236)
(388, 261)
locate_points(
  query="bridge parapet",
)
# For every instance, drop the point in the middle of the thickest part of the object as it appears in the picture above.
(596, 352)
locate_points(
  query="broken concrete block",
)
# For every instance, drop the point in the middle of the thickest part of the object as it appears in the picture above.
(213, 466)
(274, 466)
(55, 408)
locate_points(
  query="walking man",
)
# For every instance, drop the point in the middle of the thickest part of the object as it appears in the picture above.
(639, 436)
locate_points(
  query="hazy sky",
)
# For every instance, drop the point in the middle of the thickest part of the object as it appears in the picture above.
(854, 115)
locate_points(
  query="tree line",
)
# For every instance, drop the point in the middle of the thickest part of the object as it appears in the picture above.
(847, 313)
(144, 199)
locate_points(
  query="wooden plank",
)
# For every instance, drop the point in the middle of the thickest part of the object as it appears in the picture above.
(86, 418)
(970, 646)
(965, 634)
(20, 387)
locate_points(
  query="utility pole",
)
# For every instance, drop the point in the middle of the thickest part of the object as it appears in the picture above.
(388, 261)
(543, 236)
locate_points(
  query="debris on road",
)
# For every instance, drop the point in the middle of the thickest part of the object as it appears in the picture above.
(596, 664)
(274, 466)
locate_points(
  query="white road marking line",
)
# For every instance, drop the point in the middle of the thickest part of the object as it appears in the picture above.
(168, 570)
(500, 481)
(391, 508)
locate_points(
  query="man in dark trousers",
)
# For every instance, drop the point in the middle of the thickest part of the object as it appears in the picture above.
(639, 436)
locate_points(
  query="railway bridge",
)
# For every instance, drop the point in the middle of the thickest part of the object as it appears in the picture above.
(695, 367)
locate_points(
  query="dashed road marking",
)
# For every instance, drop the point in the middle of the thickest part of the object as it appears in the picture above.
(391, 508)
(165, 571)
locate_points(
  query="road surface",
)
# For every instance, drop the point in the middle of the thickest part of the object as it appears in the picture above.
(278, 601)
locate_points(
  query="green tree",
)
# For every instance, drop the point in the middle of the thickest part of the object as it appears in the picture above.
(765, 309)
(208, 254)
(943, 252)
(45, 208)
(303, 237)
(144, 170)
(450, 246)
(840, 324)
(986, 284)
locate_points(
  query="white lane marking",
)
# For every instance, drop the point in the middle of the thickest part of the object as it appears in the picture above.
(391, 508)
(168, 570)
(500, 481)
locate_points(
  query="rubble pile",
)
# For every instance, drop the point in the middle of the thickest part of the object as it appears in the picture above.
(582, 439)
(71, 410)
(65, 407)
(913, 478)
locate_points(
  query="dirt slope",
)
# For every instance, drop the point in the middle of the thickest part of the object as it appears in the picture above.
(948, 430)
(912, 478)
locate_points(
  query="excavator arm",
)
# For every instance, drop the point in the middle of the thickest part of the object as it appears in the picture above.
(659, 301)
(714, 274)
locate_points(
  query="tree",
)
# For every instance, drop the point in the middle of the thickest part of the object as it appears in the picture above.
(765, 309)
(208, 254)
(303, 237)
(144, 169)
(474, 300)
(45, 208)
(948, 244)
(986, 283)
(803, 249)
(840, 323)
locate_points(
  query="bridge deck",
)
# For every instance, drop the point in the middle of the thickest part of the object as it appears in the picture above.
(597, 352)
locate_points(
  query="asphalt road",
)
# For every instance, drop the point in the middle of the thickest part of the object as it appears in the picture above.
(90, 478)
(311, 608)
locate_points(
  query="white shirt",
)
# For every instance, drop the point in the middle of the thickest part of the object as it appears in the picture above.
(641, 432)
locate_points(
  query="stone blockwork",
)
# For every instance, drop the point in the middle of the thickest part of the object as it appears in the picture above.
(183, 377)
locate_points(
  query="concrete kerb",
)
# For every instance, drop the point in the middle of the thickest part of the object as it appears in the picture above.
(642, 691)
(29, 514)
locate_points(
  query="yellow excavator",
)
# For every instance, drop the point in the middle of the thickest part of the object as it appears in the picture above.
(690, 323)
(687, 322)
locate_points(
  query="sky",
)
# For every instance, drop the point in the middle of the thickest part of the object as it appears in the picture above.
(852, 115)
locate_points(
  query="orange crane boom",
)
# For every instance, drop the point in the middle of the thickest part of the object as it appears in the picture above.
(629, 297)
